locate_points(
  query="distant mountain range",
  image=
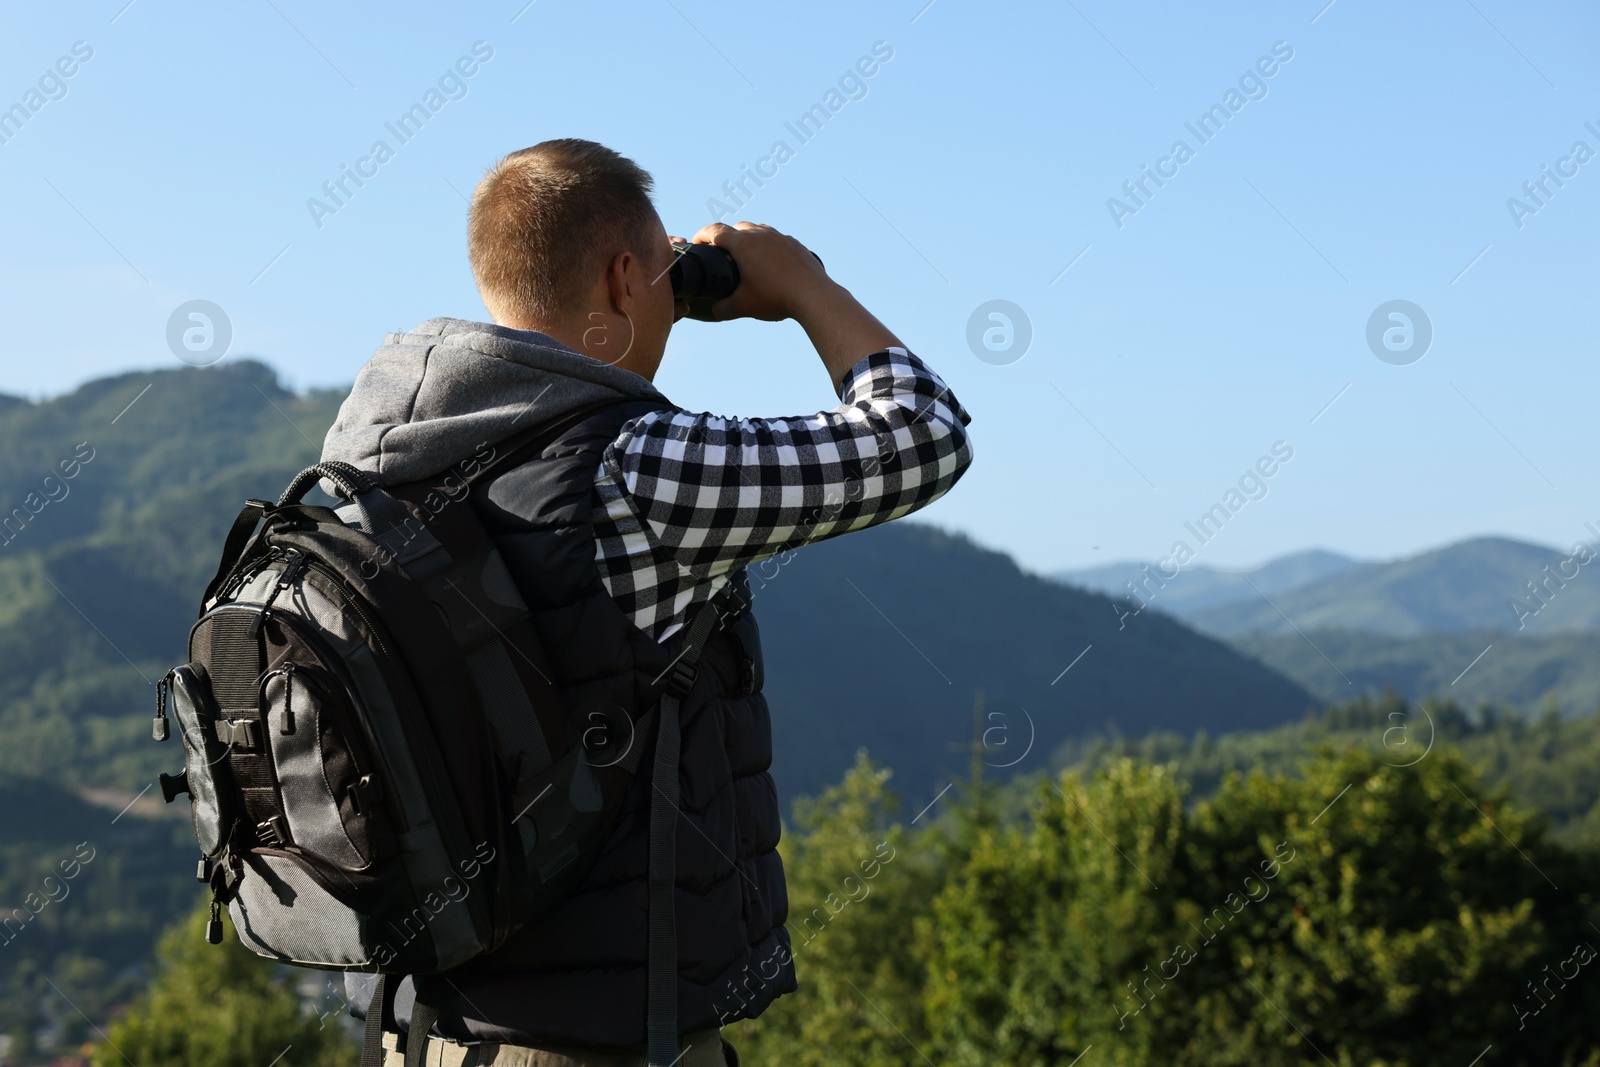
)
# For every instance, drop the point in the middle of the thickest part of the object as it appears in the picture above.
(1340, 627)
(1487, 583)
(881, 639)
(1199, 587)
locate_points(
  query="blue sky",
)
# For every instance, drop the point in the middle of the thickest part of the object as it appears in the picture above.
(1220, 317)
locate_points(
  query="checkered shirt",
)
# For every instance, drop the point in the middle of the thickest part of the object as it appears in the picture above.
(684, 498)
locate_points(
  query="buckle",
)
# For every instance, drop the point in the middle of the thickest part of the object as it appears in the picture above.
(271, 833)
(172, 785)
(680, 678)
(729, 603)
(240, 733)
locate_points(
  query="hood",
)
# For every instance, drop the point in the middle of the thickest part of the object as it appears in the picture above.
(432, 397)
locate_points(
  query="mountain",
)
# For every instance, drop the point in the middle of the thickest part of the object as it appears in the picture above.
(1520, 670)
(114, 501)
(882, 638)
(1467, 586)
(1200, 586)
(1486, 583)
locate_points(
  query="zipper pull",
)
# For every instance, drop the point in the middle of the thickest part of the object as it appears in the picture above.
(242, 577)
(285, 580)
(214, 925)
(158, 727)
(288, 699)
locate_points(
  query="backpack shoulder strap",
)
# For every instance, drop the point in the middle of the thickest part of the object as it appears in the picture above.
(521, 447)
(423, 1016)
(372, 1033)
(661, 1006)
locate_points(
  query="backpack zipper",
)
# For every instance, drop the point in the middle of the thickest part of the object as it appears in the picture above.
(241, 577)
(296, 560)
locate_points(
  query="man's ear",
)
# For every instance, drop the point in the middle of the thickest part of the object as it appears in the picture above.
(622, 281)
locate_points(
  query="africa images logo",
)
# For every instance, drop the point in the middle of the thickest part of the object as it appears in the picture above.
(1399, 332)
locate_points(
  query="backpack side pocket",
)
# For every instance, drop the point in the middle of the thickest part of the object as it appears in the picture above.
(205, 758)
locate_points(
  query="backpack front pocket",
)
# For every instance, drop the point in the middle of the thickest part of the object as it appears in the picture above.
(331, 799)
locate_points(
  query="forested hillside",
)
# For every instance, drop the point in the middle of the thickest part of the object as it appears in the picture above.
(118, 498)
(880, 639)
(885, 637)
(1525, 670)
(1548, 762)
(1488, 619)
(1023, 905)
(98, 587)
(83, 895)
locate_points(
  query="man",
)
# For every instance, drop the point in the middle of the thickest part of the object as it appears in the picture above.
(638, 514)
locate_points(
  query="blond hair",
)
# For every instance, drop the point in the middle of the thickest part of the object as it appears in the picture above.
(544, 221)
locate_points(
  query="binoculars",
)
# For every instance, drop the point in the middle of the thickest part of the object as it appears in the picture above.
(703, 274)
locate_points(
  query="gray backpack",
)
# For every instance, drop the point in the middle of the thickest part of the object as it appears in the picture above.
(382, 774)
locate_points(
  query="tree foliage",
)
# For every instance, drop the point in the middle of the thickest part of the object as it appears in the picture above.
(1353, 913)
(220, 1006)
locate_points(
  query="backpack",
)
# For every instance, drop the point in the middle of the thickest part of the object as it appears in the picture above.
(382, 774)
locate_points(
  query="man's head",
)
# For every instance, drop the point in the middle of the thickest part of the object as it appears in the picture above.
(563, 239)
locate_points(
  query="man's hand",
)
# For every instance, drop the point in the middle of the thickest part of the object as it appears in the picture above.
(778, 276)
(780, 279)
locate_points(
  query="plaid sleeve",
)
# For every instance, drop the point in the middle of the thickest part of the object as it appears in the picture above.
(716, 493)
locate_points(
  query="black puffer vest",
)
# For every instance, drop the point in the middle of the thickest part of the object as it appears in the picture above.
(576, 975)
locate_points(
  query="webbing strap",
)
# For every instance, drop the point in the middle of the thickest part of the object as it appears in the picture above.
(423, 1016)
(372, 1039)
(383, 518)
(506, 703)
(661, 1006)
(238, 536)
(530, 443)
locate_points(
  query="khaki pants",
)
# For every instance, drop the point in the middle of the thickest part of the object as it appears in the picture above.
(702, 1049)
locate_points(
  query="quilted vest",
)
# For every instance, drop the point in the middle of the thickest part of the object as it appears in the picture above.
(576, 975)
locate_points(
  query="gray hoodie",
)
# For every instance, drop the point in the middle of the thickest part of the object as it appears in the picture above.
(431, 397)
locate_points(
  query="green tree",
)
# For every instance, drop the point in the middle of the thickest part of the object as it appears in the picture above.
(1029, 945)
(220, 1006)
(1355, 913)
(1406, 930)
(855, 879)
